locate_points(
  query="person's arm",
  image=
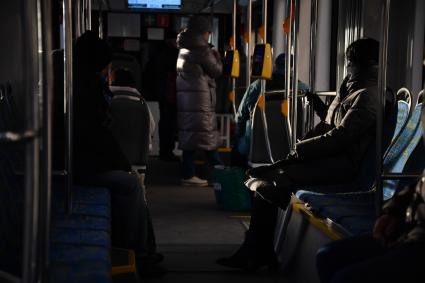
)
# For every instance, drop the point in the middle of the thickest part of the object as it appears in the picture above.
(319, 107)
(211, 63)
(357, 121)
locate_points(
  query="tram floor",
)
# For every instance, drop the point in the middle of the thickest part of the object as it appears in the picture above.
(192, 232)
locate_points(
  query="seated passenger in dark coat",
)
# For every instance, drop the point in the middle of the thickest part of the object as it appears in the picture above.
(330, 154)
(98, 159)
(395, 252)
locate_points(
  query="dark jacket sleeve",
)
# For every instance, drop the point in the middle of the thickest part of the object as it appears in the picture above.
(211, 65)
(359, 118)
(319, 107)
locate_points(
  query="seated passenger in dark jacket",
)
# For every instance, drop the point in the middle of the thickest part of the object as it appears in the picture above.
(395, 252)
(331, 154)
(98, 159)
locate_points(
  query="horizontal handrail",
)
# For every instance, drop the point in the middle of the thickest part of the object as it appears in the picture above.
(13, 137)
(326, 93)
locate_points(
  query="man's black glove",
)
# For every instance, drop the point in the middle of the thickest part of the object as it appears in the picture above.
(310, 96)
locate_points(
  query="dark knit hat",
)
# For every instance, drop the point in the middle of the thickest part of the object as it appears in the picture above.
(364, 51)
(91, 52)
(199, 24)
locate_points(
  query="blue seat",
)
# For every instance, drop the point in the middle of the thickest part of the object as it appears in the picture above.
(80, 237)
(404, 104)
(80, 245)
(84, 195)
(81, 222)
(356, 211)
(100, 210)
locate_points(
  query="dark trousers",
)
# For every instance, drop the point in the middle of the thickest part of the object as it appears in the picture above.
(362, 259)
(131, 222)
(188, 166)
(167, 128)
(277, 186)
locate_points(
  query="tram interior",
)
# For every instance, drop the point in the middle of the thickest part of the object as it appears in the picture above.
(52, 230)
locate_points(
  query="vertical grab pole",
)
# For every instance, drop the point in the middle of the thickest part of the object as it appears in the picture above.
(32, 159)
(234, 48)
(248, 53)
(263, 90)
(288, 69)
(76, 16)
(382, 83)
(100, 19)
(46, 157)
(68, 89)
(313, 55)
(294, 101)
(89, 5)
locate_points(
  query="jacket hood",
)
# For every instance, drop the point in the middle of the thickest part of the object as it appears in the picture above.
(190, 39)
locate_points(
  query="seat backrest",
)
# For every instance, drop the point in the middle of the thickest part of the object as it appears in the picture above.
(121, 60)
(400, 152)
(404, 108)
(130, 126)
(277, 132)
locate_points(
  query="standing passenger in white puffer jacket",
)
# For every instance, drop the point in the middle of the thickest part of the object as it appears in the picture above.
(197, 67)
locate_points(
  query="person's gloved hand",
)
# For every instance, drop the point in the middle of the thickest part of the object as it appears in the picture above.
(310, 96)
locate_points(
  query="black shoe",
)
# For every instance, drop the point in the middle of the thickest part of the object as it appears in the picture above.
(250, 260)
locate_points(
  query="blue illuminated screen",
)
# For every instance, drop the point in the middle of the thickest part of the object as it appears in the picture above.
(155, 4)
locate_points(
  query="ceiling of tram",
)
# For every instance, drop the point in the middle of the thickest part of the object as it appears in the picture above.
(189, 6)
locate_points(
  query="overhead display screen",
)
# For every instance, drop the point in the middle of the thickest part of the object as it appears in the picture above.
(155, 4)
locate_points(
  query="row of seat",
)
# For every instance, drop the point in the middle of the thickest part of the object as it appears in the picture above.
(313, 219)
(80, 243)
(355, 211)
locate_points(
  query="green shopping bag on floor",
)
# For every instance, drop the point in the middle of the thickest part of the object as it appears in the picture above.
(229, 188)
